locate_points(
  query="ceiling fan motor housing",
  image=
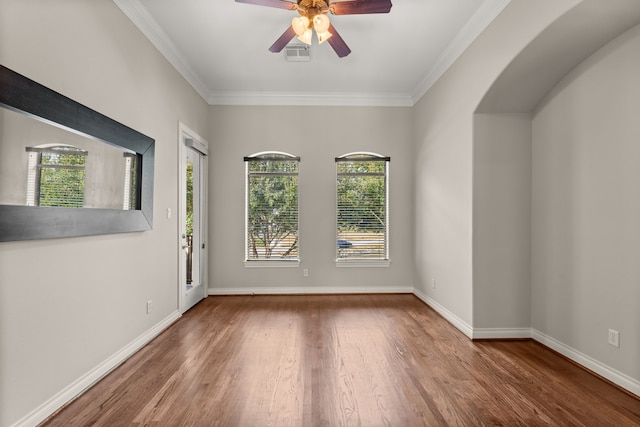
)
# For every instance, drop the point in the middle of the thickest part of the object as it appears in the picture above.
(311, 8)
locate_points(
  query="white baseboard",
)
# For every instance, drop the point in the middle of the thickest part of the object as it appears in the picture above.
(501, 333)
(616, 377)
(76, 388)
(620, 379)
(460, 324)
(306, 290)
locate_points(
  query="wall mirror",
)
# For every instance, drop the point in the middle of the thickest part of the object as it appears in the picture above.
(67, 170)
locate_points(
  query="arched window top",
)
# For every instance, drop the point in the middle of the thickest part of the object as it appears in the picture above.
(271, 155)
(57, 148)
(362, 156)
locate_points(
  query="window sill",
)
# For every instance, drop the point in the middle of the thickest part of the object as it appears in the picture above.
(360, 263)
(271, 264)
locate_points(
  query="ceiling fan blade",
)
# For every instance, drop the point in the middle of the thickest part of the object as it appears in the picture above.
(355, 7)
(280, 4)
(337, 43)
(284, 39)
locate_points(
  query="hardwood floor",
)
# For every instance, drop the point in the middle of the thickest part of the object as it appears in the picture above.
(336, 360)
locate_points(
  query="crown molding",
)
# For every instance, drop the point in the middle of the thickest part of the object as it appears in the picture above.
(480, 20)
(311, 99)
(138, 14)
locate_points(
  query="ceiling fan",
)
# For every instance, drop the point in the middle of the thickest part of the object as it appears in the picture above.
(313, 16)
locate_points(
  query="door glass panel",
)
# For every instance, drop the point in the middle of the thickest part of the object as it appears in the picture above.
(192, 228)
(189, 225)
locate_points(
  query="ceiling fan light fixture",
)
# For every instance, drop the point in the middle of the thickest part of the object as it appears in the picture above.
(306, 36)
(300, 24)
(321, 23)
(323, 37)
(313, 16)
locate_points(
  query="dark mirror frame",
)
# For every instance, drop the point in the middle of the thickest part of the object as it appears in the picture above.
(20, 94)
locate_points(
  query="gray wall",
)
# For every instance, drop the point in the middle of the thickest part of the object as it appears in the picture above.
(502, 223)
(586, 208)
(444, 154)
(579, 246)
(317, 135)
(449, 199)
(69, 305)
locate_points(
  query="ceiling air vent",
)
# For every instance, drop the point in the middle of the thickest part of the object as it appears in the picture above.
(297, 53)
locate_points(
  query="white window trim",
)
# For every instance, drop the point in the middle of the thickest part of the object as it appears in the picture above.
(272, 263)
(361, 263)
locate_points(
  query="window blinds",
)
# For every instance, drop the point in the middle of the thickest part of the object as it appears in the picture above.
(60, 178)
(272, 207)
(362, 208)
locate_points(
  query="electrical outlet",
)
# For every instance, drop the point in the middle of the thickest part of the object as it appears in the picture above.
(614, 338)
(305, 272)
(149, 306)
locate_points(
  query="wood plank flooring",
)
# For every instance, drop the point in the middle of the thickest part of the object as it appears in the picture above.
(336, 360)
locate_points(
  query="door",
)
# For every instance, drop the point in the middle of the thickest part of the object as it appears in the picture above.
(193, 286)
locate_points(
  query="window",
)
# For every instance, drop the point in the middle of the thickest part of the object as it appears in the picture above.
(271, 207)
(56, 176)
(362, 191)
(130, 199)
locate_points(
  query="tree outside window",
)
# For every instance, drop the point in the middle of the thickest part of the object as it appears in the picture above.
(57, 176)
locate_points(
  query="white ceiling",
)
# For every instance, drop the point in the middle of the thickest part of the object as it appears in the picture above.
(221, 49)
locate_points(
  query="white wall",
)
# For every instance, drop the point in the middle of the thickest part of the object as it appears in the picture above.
(317, 135)
(502, 223)
(586, 208)
(444, 157)
(67, 305)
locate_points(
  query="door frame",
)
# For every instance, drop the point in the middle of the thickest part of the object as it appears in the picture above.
(187, 138)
